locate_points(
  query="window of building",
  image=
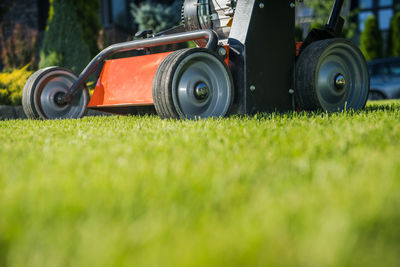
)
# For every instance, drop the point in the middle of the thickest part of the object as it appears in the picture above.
(384, 17)
(116, 13)
(305, 12)
(383, 10)
(366, 4)
(383, 3)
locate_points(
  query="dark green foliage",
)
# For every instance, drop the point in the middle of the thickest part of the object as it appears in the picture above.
(156, 16)
(371, 39)
(63, 43)
(395, 36)
(298, 34)
(389, 44)
(87, 14)
(316, 25)
(321, 9)
(348, 30)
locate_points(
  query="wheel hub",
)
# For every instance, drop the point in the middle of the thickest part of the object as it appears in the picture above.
(340, 81)
(59, 99)
(201, 91)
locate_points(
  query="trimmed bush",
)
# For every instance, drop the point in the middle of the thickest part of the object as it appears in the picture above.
(371, 39)
(63, 43)
(11, 85)
(156, 16)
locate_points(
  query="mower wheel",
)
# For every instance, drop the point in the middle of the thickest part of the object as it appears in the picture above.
(192, 83)
(331, 75)
(41, 90)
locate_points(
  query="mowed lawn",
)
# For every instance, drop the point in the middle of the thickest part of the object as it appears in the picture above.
(270, 190)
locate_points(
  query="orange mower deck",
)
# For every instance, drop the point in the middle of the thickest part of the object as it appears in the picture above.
(126, 82)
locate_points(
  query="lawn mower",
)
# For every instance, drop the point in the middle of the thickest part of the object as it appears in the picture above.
(246, 61)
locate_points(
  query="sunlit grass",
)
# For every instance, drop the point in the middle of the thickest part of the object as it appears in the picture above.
(294, 189)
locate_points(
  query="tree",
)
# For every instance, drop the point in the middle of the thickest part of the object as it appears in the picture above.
(395, 35)
(88, 16)
(150, 15)
(389, 44)
(63, 43)
(371, 39)
(322, 10)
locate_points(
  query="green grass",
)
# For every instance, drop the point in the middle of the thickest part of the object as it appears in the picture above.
(272, 190)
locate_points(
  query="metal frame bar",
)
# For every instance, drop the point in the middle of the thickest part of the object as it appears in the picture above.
(335, 14)
(332, 29)
(212, 44)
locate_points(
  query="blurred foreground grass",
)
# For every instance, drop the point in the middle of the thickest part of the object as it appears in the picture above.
(273, 190)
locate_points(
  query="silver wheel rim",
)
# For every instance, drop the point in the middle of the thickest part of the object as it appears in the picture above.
(201, 87)
(342, 78)
(54, 83)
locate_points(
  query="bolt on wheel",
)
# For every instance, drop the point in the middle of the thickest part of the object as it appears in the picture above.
(45, 88)
(192, 83)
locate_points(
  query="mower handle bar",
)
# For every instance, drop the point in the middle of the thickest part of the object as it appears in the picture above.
(335, 13)
(212, 44)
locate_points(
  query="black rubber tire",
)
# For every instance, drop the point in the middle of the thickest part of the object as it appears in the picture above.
(163, 82)
(33, 110)
(307, 65)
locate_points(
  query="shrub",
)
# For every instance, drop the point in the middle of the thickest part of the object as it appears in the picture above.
(63, 43)
(371, 39)
(298, 33)
(156, 16)
(19, 47)
(11, 85)
(395, 36)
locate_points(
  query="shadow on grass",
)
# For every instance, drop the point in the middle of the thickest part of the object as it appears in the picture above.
(371, 107)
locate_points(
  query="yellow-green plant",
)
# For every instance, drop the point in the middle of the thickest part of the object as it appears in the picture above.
(11, 85)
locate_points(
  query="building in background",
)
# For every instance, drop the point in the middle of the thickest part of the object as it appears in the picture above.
(117, 21)
(382, 9)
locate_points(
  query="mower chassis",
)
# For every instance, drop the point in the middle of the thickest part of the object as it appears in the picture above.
(263, 56)
(133, 45)
(257, 64)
